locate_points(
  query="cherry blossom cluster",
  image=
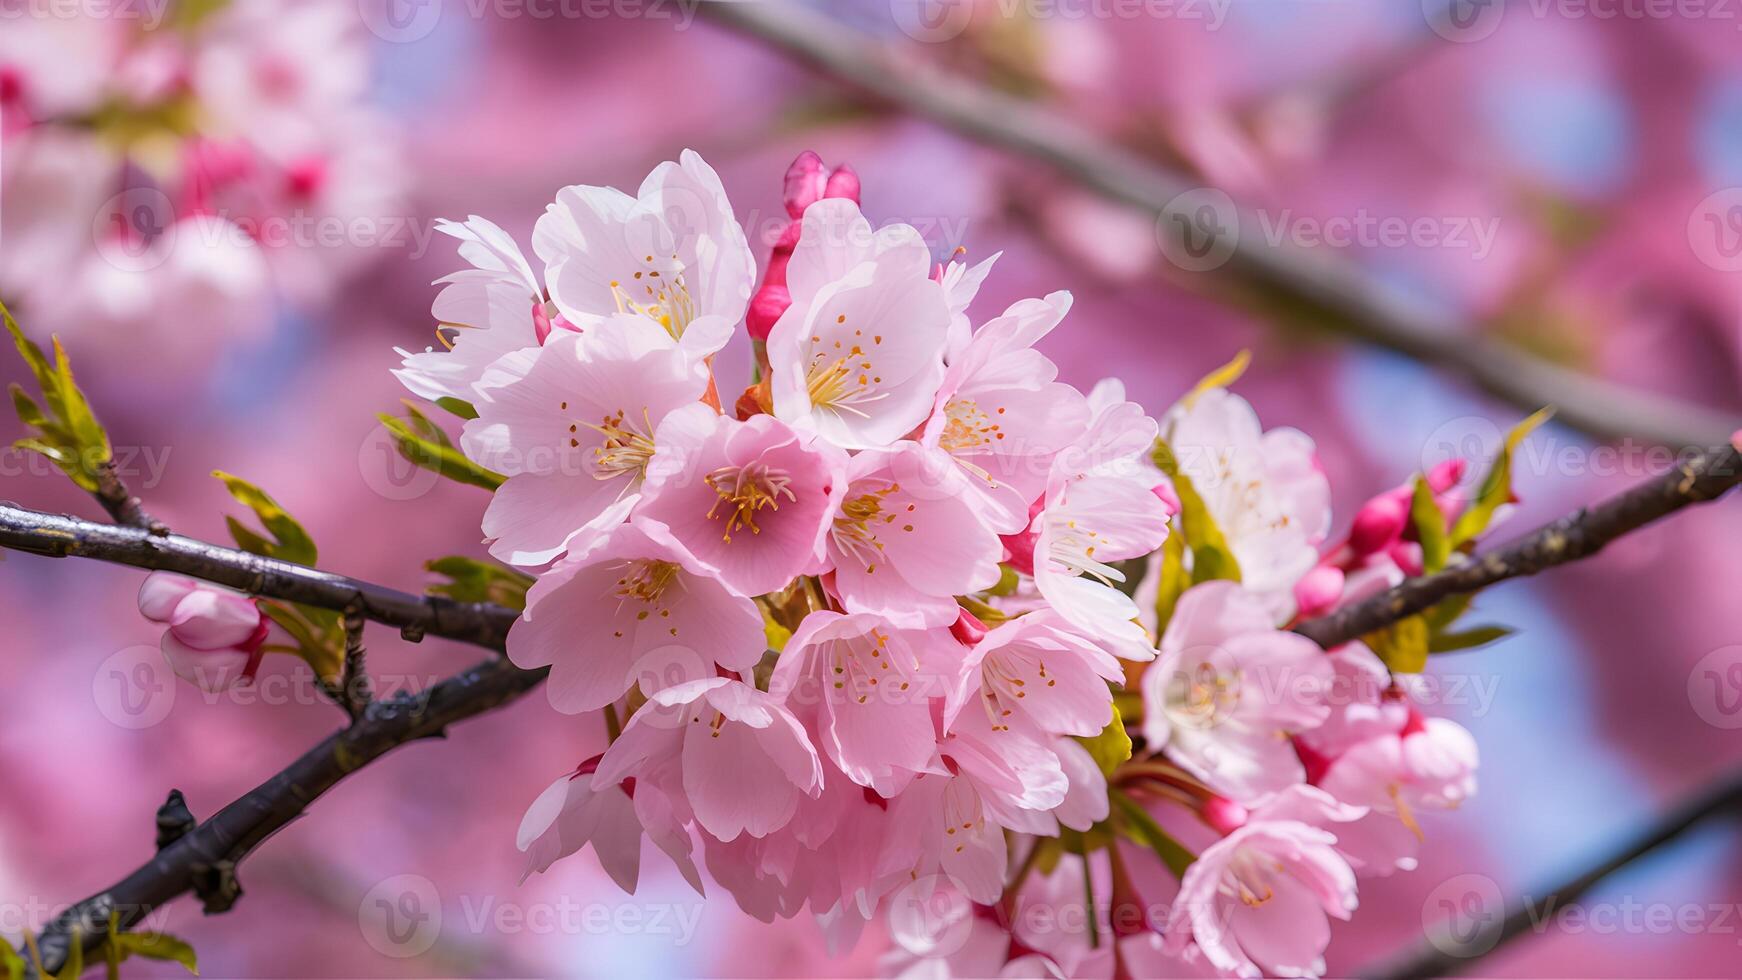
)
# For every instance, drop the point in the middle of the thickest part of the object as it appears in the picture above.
(910, 620)
(168, 179)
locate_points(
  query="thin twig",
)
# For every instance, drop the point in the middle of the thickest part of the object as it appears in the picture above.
(215, 848)
(351, 690)
(1428, 959)
(120, 502)
(480, 623)
(1580, 534)
(1311, 285)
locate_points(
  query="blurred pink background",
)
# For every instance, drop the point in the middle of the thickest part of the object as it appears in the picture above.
(1588, 147)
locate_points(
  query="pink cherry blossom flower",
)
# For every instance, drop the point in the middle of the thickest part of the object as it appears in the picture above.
(858, 356)
(1228, 689)
(215, 636)
(1430, 764)
(1000, 414)
(866, 688)
(954, 823)
(674, 255)
(634, 608)
(491, 309)
(1035, 671)
(572, 813)
(753, 500)
(1100, 508)
(907, 538)
(961, 283)
(1258, 902)
(1265, 490)
(737, 756)
(573, 426)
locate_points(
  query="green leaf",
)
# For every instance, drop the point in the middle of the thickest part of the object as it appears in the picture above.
(11, 964)
(1475, 636)
(471, 580)
(456, 407)
(426, 445)
(1112, 746)
(1497, 484)
(1441, 615)
(1211, 557)
(1009, 580)
(1138, 825)
(68, 433)
(290, 542)
(319, 635)
(1172, 582)
(1430, 527)
(1221, 377)
(159, 946)
(1402, 645)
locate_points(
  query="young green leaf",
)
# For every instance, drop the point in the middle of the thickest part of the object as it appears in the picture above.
(1497, 484)
(1112, 746)
(1403, 645)
(471, 580)
(1221, 377)
(159, 946)
(1475, 636)
(1172, 582)
(289, 541)
(1430, 527)
(1136, 824)
(68, 433)
(11, 964)
(1211, 556)
(426, 445)
(454, 406)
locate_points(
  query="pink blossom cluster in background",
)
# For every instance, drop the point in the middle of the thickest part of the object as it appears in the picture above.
(169, 182)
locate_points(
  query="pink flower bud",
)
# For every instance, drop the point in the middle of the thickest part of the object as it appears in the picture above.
(1223, 815)
(540, 321)
(765, 309)
(1317, 591)
(1164, 492)
(1446, 475)
(967, 629)
(1379, 523)
(304, 178)
(1407, 556)
(805, 183)
(214, 636)
(843, 182)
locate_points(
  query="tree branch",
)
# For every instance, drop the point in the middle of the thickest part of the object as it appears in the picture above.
(213, 850)
(120, 502)
(58, 536)
(1723, 798)
(1311, 285)
(1578, 535)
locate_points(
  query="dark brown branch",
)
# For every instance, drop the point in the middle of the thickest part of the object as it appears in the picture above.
(1723, 798)
(120, 502)
(1312, 286)
(59, 536)
(1578, 535)
(205, 859)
